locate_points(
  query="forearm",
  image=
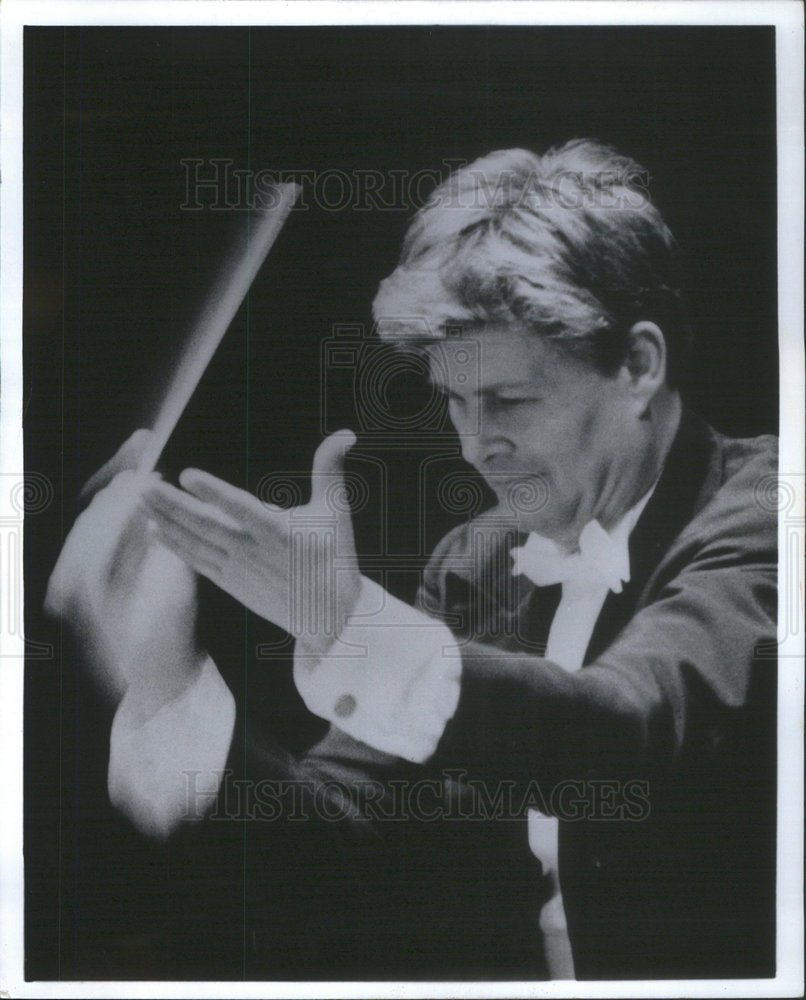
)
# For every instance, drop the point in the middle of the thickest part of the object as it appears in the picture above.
(676, 678)
(400, 682)
(166, 759)
(676, 681)
(522, 718)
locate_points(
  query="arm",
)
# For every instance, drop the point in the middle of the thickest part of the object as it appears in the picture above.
(132, 606)
(676, 677)
(678, 673)
(679, 677)
(682, 671)
(166, 764)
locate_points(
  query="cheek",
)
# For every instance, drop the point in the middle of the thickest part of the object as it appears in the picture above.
(602, 436)
(589, 423)
(575, 449)
(600, 415)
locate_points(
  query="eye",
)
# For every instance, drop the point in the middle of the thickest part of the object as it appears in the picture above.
(448, 396)
(510, 402)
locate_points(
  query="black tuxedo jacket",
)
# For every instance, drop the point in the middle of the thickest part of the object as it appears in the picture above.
(675, 707)
(658, 756)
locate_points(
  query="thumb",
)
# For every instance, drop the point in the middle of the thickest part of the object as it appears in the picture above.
(127, 457)
(328, 464)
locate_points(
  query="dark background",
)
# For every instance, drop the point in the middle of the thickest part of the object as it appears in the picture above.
(115, 270)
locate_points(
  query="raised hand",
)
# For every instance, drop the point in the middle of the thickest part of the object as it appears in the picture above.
(130, 601)
(297, 568)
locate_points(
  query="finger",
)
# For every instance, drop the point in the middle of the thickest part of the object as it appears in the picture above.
(237, 503)
(126, 457)
(204, 518)
(193, 560)
(226, 537)
(328, 463)
(196, 556)
(201, 540)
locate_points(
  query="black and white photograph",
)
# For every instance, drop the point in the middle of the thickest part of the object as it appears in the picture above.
(406, 575)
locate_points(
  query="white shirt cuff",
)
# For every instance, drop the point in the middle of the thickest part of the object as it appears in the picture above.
(391, 679)
(168, 769)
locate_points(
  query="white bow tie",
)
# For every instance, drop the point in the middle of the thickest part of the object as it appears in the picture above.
(601, 560)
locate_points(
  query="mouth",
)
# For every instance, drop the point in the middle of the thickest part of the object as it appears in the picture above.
(508, 477)
(522, 494)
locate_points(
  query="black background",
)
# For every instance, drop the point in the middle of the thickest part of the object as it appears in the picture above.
(115, 269)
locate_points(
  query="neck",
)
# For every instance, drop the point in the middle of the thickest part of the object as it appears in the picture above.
(626, 483)
(626, 480)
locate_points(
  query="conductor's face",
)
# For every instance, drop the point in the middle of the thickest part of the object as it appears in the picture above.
(550, 435)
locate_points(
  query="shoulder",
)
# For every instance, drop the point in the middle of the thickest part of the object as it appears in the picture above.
(744, 486)
(748, 458)
(736, 517)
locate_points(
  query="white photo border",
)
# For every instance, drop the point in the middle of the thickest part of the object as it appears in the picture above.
(787, 17)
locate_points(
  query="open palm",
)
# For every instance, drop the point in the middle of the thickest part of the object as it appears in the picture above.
(295, 567)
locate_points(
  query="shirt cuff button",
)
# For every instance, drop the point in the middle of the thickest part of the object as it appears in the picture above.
(345, 706)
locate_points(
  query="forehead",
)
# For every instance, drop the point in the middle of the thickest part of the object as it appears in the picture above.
(492, 357)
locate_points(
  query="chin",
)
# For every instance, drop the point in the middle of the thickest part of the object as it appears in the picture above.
(537, 513)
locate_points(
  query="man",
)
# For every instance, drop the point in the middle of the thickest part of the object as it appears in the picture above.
(590, 642)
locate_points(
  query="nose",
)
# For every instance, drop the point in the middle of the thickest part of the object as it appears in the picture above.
(480, 451)
(480, 438)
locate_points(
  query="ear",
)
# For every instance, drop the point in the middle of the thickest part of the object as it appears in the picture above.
(644, 369)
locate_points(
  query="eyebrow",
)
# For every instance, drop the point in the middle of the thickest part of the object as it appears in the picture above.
(511, 387)
(490, 390)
